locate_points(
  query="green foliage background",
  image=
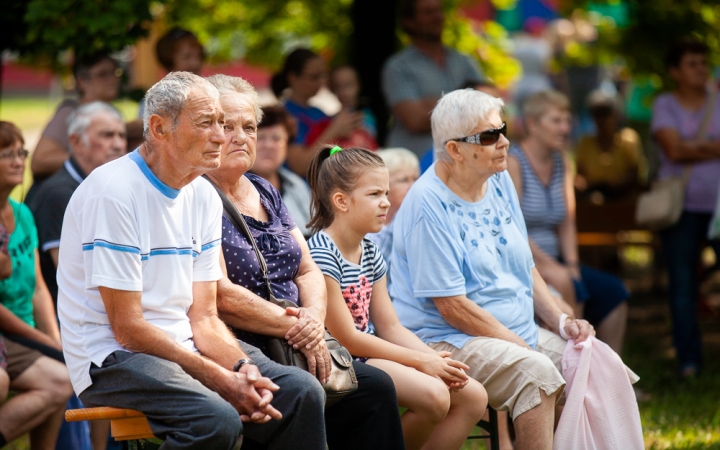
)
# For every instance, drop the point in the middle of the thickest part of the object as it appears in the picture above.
(652, 28)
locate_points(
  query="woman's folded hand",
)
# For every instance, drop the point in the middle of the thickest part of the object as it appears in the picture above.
(307, 332)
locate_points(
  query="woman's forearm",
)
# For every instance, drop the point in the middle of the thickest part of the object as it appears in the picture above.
(12, 324)
(241, 309)
(471, 319)
(546, 308)
(567, 233)
(43, 307)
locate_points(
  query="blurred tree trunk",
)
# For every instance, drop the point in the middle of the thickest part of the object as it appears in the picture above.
(373, 41)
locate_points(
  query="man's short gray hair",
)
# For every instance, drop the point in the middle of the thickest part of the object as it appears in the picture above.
(167, 96)
(457, 114)
(80, 119)
(226, 83)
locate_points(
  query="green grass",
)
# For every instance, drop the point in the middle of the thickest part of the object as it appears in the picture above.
(679, 414)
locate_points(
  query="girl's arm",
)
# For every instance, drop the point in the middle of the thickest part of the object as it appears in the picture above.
(567, 231)
(43, 308)
(387, 324)
(340, 324)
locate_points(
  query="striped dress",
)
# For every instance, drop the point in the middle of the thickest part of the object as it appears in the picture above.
(356, 281)
(543, 206)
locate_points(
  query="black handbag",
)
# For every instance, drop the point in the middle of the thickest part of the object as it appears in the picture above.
(342, 378)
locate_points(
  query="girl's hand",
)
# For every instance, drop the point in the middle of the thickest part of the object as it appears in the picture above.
(440, 366)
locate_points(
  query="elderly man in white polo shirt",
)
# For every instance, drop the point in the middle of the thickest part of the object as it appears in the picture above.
(137, 273)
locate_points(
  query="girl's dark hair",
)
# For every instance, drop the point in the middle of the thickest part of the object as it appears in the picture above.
(329, 173)
(294, 64)
(277, 115)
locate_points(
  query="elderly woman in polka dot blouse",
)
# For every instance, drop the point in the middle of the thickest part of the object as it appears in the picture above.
(366, 418)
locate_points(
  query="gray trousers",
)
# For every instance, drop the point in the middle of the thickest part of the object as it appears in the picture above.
(188, 415)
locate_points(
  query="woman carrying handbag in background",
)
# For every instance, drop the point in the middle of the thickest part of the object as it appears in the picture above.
(686, 126)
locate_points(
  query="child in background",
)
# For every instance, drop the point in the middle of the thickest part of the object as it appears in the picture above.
(344, 83)
(349, 200)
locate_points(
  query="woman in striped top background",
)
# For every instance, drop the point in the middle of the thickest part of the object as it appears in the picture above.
(543, 176)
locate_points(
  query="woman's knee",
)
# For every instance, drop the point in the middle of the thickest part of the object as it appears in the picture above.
(4, 385)
(52, 377)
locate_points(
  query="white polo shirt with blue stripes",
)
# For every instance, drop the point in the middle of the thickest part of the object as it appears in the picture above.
(125, 229)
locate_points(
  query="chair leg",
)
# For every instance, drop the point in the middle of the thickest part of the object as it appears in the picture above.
(495, 439)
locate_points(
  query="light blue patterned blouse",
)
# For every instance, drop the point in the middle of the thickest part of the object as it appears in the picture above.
(445, 246)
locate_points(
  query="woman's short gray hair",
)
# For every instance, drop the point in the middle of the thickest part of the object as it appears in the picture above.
(457, 114)
(226, 83)
(80, 119)
(167, 96)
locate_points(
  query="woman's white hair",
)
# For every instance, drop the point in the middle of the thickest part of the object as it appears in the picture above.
(399, 158)
(82, 117)
(226, 83)
(167, 96)
(457, 114)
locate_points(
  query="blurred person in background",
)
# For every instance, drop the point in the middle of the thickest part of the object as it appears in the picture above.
(97, 135)
(414, 78)
(404, 170)
(302, 76)
(609, 162)
(542, 173)
(97, 78)
(178, 50)
(26, 314)
(676, 120)
(275, 131)
(345, 84)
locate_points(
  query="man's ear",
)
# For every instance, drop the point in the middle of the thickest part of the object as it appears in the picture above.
(159, 127)
(75, 142)
(339, 201)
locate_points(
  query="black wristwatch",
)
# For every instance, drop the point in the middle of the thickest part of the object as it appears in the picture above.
(241, 363)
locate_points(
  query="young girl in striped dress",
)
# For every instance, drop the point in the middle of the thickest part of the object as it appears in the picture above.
(349, 200)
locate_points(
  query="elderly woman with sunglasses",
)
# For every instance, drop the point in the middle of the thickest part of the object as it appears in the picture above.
(463, 275)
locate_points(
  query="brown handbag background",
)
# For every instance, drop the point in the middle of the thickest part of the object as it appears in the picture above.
(342, 379)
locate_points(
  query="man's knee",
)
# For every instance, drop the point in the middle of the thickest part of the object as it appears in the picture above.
(215, 423)
(304, 387)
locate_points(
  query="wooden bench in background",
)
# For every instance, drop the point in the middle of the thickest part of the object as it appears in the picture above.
(125, 424)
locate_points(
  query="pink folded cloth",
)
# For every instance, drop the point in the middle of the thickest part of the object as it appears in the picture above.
(600, 412)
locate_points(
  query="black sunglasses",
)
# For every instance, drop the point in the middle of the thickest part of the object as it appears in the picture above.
(487, 137)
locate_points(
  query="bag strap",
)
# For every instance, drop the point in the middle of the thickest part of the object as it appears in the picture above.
(239, 222)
